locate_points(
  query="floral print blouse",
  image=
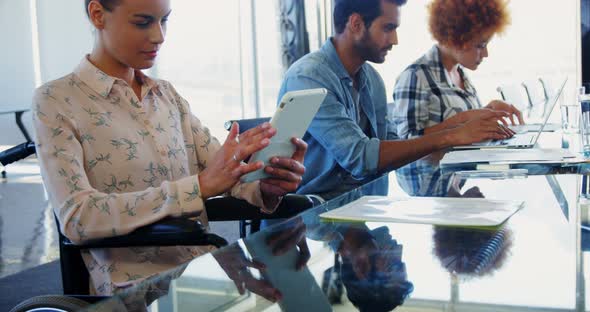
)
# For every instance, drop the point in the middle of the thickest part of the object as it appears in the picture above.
(112, 163)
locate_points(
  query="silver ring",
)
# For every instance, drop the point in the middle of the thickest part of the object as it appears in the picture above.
(234, 157)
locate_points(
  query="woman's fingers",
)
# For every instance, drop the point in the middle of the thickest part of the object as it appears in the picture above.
(293, 172)
(512, 119)
(242, 169)
(263, 289)
(276, 187)
(300, 149)
(279, 187)
(518, 115)
(289, 164)
(503, 121)
(233, 132)
(239, 285)
(255, 264)
(304, 254)
(284, 241)
(244, 150)
(258, 133)
(274, 238)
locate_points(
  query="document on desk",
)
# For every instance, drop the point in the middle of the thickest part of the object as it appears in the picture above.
(507, 156)
(476, 212)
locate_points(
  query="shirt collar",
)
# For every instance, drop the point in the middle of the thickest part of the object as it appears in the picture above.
(102, 83)
(333, 58)
(434, 61)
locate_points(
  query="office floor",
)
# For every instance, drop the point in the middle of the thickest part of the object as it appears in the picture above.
(27, 231)
(28, 236)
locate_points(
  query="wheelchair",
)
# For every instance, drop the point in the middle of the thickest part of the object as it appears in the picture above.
(167, 232)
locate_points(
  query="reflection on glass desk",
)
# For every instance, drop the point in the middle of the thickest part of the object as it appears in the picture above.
(426, 177)
(535, 261)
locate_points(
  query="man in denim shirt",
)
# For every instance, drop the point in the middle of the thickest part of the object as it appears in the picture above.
(350, 140)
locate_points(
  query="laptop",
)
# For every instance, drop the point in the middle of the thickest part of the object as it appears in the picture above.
(520, 140)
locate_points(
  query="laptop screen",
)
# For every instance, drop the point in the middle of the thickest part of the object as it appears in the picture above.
(552, 101)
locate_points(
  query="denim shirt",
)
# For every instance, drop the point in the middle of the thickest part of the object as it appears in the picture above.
(340, 155)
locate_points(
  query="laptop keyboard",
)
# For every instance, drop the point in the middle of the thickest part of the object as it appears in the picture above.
(522, 140)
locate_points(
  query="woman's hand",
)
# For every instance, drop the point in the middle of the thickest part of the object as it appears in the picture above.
(508, 108)
(463, 117)
(477, 114)
(286, 174)
(235, 264)
(226, 167)
(287, 235)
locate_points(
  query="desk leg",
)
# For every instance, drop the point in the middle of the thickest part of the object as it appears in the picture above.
(19, 123)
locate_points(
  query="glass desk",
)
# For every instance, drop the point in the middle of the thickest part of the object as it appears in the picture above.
(539, 260)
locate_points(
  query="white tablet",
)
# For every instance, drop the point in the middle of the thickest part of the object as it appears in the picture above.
(291, 119)
(300, 289)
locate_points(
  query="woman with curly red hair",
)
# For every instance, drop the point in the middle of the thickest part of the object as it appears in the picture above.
(434, 93)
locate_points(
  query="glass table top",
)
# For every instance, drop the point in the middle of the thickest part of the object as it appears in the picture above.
(538, 260)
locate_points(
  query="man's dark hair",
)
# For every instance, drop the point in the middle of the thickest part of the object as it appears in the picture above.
(379, 291)
(109, 5)
(368, 9)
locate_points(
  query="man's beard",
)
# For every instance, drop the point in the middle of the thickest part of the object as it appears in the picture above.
(368, 51)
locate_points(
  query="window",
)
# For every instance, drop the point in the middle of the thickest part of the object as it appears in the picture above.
(542, 41)
(201, 57)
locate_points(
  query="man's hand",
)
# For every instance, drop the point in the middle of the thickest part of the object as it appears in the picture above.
(487, 127)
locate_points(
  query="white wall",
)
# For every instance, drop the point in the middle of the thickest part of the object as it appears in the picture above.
(16, 66)
(16, 56)
(65, 36)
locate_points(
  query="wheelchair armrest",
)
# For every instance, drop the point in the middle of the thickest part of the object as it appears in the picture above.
(17, 153)
(168, 232)
(233, 209)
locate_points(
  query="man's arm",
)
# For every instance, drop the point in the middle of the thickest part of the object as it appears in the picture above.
(336, 131)
(394, 154)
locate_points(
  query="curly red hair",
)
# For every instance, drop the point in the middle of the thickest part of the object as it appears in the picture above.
(456, 23)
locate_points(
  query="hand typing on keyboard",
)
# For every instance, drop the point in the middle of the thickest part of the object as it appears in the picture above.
(481, 129)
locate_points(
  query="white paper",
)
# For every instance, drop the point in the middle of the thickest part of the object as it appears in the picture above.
(427, 210)
(506, 155)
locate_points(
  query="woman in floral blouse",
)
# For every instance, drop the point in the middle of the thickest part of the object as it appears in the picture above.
(119, 150)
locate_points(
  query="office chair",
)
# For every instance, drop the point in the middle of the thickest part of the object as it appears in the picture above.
(167, 232)
(536, 96)
(515, 95)
(550, 85)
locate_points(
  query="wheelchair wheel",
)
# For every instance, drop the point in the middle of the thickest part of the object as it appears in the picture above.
(51, 303)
